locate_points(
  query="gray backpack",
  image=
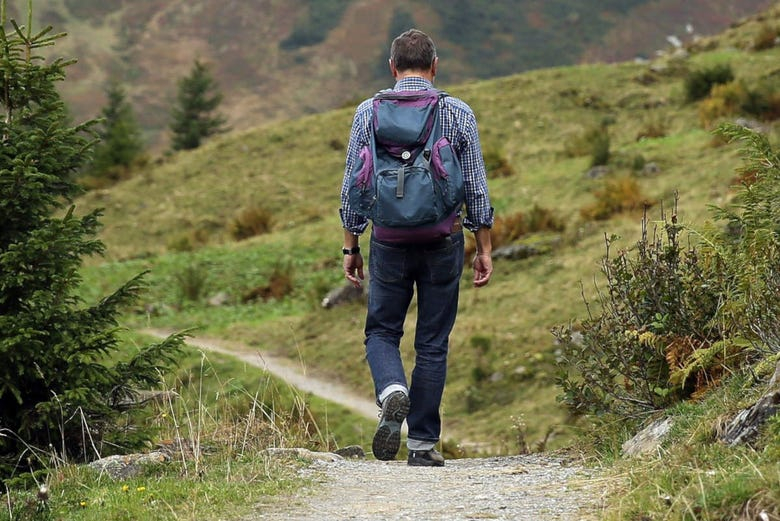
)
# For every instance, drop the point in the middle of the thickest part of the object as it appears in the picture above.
(408, 181)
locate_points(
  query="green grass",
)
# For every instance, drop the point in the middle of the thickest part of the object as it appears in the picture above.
(294, 170)
(695, 477)
(230, 412)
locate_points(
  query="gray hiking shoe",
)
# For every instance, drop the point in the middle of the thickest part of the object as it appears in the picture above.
(387, 439)
(425, 458)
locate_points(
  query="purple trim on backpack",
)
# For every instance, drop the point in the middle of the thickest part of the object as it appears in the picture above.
(367, 170)
(419, 235)
(438, 164)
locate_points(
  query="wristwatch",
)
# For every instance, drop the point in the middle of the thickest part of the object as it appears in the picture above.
(350, 251)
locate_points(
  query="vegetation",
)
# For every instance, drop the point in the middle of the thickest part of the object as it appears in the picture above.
(120, 145)
(63, 391)
(194, 116)
(313, 27)
(699, 83)
(680, 314)
(263, 81)
(215, 431)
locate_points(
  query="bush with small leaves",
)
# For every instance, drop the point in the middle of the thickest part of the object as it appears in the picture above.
(699, 83)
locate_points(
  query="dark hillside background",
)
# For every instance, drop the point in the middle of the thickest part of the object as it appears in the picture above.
(281, 59)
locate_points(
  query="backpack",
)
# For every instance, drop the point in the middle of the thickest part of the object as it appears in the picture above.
(408, 180)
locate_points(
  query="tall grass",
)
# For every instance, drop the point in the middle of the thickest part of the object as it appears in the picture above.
(214, 420)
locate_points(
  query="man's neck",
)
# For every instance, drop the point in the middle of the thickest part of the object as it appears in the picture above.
(414, 74)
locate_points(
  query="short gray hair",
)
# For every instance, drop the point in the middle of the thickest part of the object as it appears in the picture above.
(413, 50)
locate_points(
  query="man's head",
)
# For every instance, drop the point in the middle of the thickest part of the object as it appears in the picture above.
(413, 51)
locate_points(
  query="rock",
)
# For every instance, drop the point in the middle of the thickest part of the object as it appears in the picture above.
(597, 172)
(220, 299)
(515, 252)
(277, 452)
(752, 124)
(352, 451)
(344, 295)
(745, 426)
(127, 466)
(648, 439)
(650, 169)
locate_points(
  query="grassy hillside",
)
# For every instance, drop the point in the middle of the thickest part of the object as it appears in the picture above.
(174, 220)
(279, 60)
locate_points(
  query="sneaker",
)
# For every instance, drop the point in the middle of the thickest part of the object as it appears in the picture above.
(387, 439)
(425, 458)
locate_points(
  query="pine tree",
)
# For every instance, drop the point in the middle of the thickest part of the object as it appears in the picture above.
(121, 143)
(194, 117)
(62, 381)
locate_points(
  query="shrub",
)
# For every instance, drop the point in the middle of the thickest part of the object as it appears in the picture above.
(191, 283)
(496, 164)
(652, 127)
(672, 323)
(617, 195)
(753, 254)
(763, 101)
(250, 222)
(699, 83)
(509, 228)
(725, 100)
(62, 386)
(657, 309)
(594, 142)
(766, 38)
(280, 284)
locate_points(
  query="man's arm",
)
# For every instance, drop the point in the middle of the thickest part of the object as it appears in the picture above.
(483, 260)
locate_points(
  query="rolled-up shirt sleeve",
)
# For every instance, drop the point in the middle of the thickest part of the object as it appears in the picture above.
(479, 212)
(358, 138)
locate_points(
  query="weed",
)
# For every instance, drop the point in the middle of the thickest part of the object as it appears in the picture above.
(617, 195)
(766, 38)
(724, 100)
(250, 222)
(594, 142)
(497, 165)
(191, 283)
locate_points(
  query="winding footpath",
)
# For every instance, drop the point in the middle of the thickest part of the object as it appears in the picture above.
(537, 487)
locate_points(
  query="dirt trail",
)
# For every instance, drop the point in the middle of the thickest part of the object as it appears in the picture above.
(294, 374)
(536, 487)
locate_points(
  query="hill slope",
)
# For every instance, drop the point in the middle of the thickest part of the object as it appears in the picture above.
(174, 220)
(277, 60)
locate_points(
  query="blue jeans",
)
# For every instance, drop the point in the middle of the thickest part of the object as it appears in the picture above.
(394, 270)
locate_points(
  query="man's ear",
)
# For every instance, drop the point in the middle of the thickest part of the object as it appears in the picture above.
(434, 65)
(393, 70)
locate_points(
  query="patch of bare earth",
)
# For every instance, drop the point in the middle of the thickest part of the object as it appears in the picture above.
(522, 488)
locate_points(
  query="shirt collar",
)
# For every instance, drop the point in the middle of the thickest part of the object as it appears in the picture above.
(413, 83)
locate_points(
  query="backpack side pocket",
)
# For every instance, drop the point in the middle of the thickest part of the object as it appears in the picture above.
(446, 167)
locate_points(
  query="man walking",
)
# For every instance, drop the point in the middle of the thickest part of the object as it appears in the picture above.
(434, 268)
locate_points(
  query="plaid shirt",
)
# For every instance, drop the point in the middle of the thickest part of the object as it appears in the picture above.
(459, 125)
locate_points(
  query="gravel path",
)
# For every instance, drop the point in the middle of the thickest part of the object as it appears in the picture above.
(536, 487)
(521, 488)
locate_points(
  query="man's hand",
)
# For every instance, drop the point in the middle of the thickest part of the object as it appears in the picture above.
(483, 262)
(353, 268)
(483, 269)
